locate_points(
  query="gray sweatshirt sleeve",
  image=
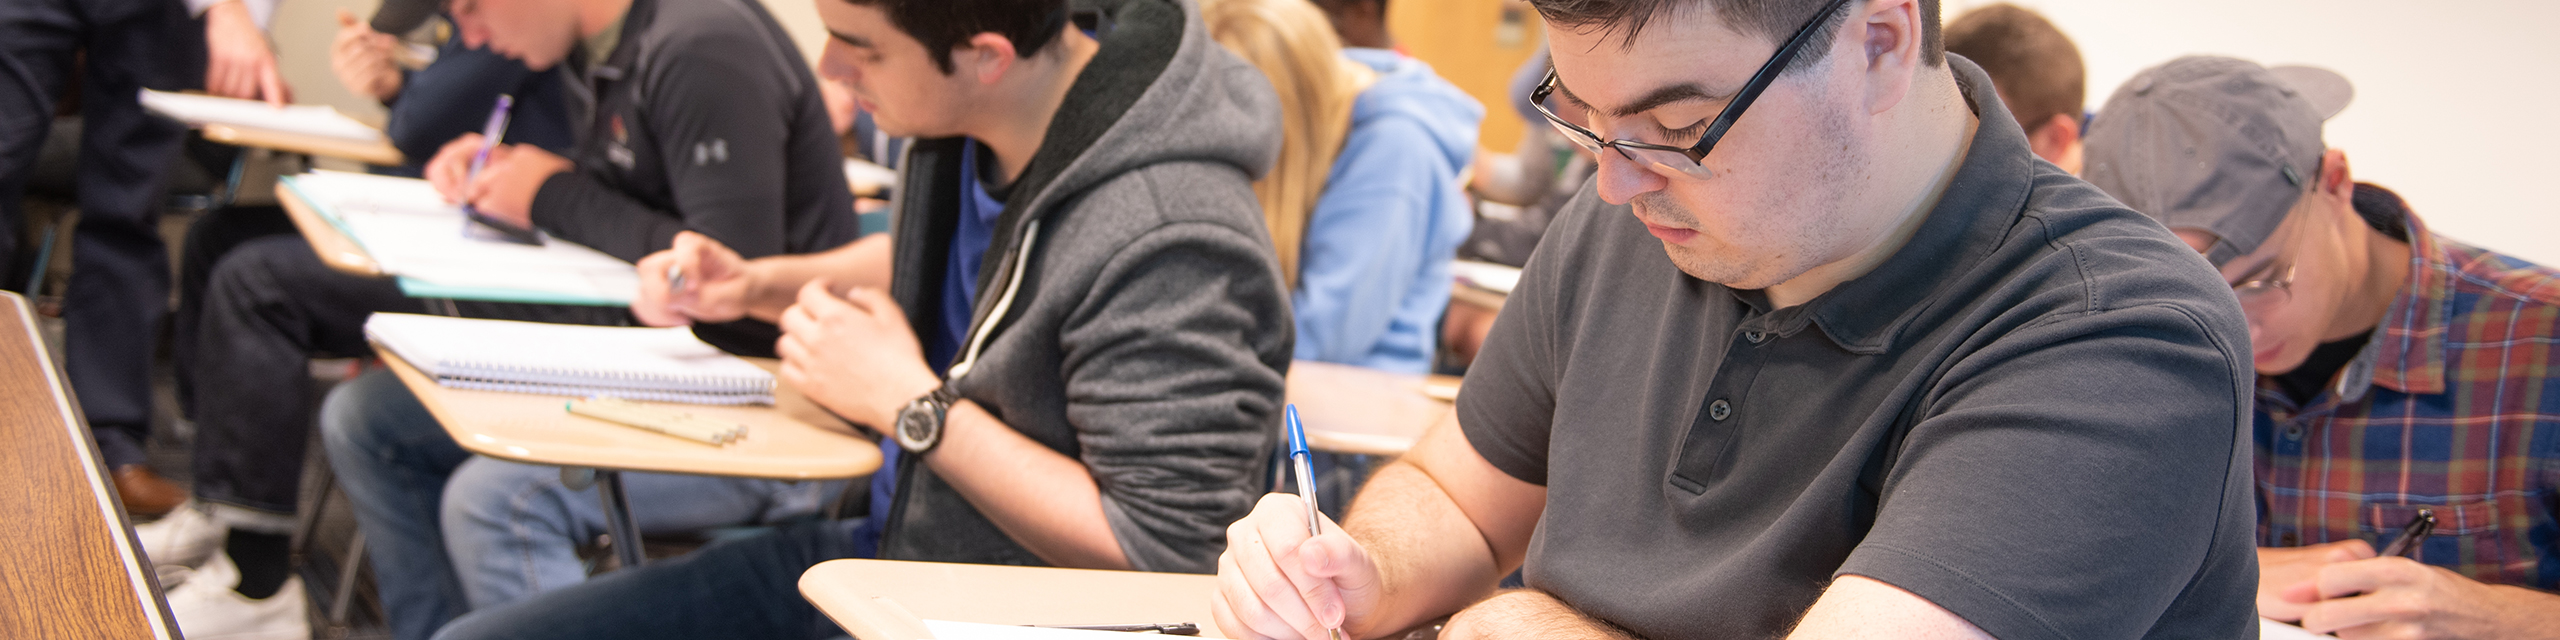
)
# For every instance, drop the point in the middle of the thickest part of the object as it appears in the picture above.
(1174, 367)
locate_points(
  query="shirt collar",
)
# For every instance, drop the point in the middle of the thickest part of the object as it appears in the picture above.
(2407, 353)
(1969, 221)
(600, 46)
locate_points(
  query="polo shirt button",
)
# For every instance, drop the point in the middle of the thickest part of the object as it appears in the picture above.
(1755, 337)
(2293, 432)
(1720, 410)
(2288, 540)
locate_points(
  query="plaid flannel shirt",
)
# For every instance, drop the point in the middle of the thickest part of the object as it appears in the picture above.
(2454, 406)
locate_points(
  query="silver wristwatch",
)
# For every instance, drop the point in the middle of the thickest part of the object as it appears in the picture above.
(919, 425)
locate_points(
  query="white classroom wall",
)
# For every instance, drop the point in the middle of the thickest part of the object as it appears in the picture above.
(2453, 97)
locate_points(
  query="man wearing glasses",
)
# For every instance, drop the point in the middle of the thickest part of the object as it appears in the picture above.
(1895, 378)
(2400, 373)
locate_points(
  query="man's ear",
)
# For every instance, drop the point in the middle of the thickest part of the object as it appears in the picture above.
(985, 57)
(2053, 140)
(2335, 178)
(1888, 33)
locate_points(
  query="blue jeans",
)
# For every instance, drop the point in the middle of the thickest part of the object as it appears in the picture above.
(449, 532)
(743, 588)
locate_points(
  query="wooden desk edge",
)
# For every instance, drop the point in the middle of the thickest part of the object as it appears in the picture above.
(1362, 444)
(410, 376)
(333, 246)
(869, 609)
(855, 611)
(146, 584)
(377, 152)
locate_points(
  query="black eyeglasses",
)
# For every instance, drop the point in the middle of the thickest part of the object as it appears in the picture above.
(1687, 160)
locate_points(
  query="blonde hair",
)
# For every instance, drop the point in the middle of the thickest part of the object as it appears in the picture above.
(1294, 45)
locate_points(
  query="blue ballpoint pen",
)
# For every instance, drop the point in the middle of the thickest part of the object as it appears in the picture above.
(1298, 460)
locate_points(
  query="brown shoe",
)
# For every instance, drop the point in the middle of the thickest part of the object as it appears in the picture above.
(145, 492)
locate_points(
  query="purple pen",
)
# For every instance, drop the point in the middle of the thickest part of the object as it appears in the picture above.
(490, 134)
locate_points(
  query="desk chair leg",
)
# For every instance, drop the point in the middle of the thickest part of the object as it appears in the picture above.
(346, 594)
(231, 182)
(44, 258)
(617, 518)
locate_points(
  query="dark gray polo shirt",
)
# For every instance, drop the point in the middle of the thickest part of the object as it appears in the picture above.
(2031, 415)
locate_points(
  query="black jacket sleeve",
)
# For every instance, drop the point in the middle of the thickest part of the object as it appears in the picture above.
(719, 114)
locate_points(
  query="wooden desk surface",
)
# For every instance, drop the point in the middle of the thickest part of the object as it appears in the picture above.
(996, 594)
(1359, 410)
(783, 442)
(70, 567)
(337, 250)
(379, 152)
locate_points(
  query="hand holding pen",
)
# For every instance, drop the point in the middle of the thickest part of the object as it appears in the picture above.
(2411, 534)
(697, 279)
(458, 164)
(2391, 594)
(1289, 572)
(1303, 463)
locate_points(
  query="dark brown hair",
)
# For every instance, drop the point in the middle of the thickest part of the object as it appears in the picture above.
(942, 25)
(2383, 210)
(2034, 66)
(1772, 19)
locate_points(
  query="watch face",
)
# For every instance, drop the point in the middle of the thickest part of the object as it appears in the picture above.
(918, 427)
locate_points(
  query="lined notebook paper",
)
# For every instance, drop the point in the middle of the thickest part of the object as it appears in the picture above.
(640, 363)
(304, 119)
(412, 233)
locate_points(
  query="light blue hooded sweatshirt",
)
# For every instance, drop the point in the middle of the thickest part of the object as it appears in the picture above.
(1373, 272)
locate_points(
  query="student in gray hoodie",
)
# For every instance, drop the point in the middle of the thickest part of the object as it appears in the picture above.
(1074, 342)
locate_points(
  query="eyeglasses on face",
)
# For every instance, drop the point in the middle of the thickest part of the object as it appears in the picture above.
(2261, 295)
(1687, 160)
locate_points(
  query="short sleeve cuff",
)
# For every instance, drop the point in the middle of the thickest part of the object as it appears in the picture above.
(1503, 450)
(1951, 589)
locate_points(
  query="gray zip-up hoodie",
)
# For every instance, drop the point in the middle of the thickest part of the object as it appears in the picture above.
(1130, 312)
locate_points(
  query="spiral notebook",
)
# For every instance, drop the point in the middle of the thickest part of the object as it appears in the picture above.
(640, 363)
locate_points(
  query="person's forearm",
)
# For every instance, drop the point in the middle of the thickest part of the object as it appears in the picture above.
(774, 281)
(994, 466)
(2530, 614)
(1529, 613)
(1856, 606)
(1421, 542)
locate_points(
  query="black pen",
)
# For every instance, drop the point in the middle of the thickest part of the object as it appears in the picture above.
(1167, 628)
(2412, 534)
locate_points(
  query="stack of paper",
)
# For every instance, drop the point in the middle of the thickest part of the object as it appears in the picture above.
(638, 363)
(309, 120)
(412, 233)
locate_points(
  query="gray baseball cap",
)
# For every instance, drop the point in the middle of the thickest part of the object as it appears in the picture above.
(397, 17)
(2216, 144)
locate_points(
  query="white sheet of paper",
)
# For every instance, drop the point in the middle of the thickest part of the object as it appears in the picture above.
(865, 177)
(305, 119)
(1485, 275)
(948, 630)
(2273, 630)
(411, 232)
